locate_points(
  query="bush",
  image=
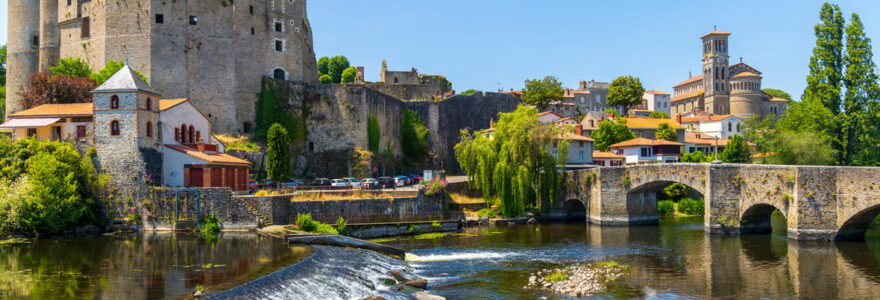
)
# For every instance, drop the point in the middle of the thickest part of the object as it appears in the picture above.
(341, 224)
(486, 212)
(305, 223)
(436, 224)
(666, 208)
(691, 206)
(556, 276)
(435, 187)
(210, 224)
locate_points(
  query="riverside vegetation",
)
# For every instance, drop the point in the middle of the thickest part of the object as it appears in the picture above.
(579, 280)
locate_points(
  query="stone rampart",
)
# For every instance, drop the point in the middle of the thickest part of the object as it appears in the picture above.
(165, 209)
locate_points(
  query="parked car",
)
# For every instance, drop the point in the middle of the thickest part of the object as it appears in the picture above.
(416, 178)
(352, 181)
(386, 182)
(268, 183)
(292, 183)
(370, 183)
(400, 181)
(253, 184)
(320, 182)
(338, 182)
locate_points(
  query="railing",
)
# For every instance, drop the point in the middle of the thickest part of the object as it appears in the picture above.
(350, 194)
(399, 217)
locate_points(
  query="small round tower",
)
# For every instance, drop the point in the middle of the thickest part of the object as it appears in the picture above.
(23, 56)
(50, 34)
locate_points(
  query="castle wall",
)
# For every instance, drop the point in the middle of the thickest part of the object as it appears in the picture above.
(50, 34)
(22, 53)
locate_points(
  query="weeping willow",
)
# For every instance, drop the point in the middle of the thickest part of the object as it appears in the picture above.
(516, 163)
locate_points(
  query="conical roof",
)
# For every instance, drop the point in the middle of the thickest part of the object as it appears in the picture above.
(125, 80)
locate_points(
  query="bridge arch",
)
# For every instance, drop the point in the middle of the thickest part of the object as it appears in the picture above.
(757, 218)
(854, 228)
(641, 200)
(575, 210)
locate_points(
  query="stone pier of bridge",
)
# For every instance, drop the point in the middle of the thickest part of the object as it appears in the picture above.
(819, 202)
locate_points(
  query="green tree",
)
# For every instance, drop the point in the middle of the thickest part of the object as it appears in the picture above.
(860, 103)
(625, 91)
(349, 74)
(777, 93)
(326, 79)
(804, 148)
(658, 115)
(110, 68)
(323, 65)
(73, 67)
(665, 132)
(413, 135)
(696, 157)
(278, 154)
(611, 132)
(3, 66)
(469, 92)
(540, 92)
(759, 131)
(373, 133)
(676, 191)
(337, 65)
(269, 109)
(826, 71)
(736, 151)
(516, 164)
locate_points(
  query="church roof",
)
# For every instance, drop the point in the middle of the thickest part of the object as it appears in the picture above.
(746, 74)
(715, 32)
(689, 80)
(743, 67)
(686, 95)
(125, 80)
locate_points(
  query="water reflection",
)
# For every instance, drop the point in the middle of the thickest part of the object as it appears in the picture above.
(137, 266)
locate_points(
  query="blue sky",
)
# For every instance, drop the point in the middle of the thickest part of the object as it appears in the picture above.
(489, 44)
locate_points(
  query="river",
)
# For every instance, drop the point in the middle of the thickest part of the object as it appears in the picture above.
(675, 259)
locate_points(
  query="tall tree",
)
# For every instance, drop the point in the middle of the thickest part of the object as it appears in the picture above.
(413, 135)
(323, 65)
(736, 151)
(349, 74)
(46, 88)
(611, 132)
(278, 154)
(73, 66)
(826, 64)
(759, 131)
(110, 68)
(540, 92)
(665, 132)
(626, 91)
(860, 127)
(373, 133)
(336, 66)
(3, 65)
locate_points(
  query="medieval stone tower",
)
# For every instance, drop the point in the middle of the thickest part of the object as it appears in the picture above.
(716, 82)
(212, 52)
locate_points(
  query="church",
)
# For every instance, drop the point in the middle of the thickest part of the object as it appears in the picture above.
(722, 88)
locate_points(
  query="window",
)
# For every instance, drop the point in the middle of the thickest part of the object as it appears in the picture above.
(246, 127)
(36, 41)
(32, 132)
(729, 126)
(149, 129)
(251, 8)
(183, 134)
(177, 134)
(80, 131)
(191, 135)
(252, 31)
(149, 104)
(114, 102)
(278, 27)
(160, 18)
(646, 152)
(279, 74)
(581, 155)
(68, 2)
(193, 20)
(279, 45)
(582, 100)
(85, 28)
(114, 128)
(592, 123)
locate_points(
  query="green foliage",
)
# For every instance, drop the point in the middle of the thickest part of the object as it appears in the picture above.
(341, 223)
(470, 92)
(666, 208)
(243, 145)
(859, 120)
(806, 148)
(210, 224)
(3, 65)
(325, 79)
(413, 135)
(777, 93)
(675, 191)
(412, 228)
(278, 154)
(695, 207)
(436, 224)
(435, 187)
(335, 66)
(373, 133)
(516, 164)
(611, 132)
(625, 91)
(324, 66)
(612, 112)
(658, 115)
(665, 132)
(2, 103)
(305, 223)
(759, 131)
(487, 212)
(556, 276)
(110, 68)
(697, 157)
(73, 66)
(736, 151)
(46, 186)
(348, 75)
(540, 92)
(271, 108)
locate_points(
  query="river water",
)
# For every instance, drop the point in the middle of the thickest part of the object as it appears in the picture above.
(673, 260)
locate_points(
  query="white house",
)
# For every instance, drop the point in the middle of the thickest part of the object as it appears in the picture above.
(721, 126)
(657, 101)
(549, 117)
(642, 150)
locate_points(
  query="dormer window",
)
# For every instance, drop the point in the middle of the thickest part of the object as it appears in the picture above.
(114, 102)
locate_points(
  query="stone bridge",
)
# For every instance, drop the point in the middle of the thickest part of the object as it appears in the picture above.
(819, 202)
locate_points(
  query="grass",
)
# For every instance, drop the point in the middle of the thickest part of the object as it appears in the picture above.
(242, 143)
(430, 236)
(15, 241)
(348, 195)
(556, 276)
(487, 212)
(462, 199)
(305, 223)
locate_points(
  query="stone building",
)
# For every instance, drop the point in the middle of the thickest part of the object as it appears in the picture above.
(722, 88)
(211, 52)
(407, 85)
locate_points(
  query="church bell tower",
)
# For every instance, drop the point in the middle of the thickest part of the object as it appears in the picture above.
(716, 73)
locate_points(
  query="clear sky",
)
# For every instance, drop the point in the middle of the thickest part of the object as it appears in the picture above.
(489, 44)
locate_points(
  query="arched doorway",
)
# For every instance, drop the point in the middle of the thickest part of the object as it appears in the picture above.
(575, 210)
(854, 229)
(759, 219)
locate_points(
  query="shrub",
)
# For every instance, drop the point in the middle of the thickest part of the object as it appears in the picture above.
(436, 224)
(210, 224)
(435, 187)
(556, 276)
(486, 212)
(412, 228)
(666, 208)
(262, 193)
(305, 223)
(691, 206)
(341, 224)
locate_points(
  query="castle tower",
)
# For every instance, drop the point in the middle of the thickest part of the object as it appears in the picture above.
(50, 34)
(126, 125)
(716, 72)
(23, 43)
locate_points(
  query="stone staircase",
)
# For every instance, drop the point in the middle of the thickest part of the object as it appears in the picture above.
(262, 219)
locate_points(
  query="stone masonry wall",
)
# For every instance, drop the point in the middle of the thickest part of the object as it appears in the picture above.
(164, 210)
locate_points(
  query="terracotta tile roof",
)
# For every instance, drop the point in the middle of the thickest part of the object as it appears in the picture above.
(746, 74)
(70, 109)
(650, 123)
(686, 96)
(689, 80)
(715, 32)
(574, 137)
(705, 118)
(210, 157)
(640, 141)
(566, 119)
(541, 114)
(607, 155)
(657, 93)
(709, 141)
(165, 104)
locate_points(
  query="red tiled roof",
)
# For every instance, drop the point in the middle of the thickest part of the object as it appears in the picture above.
(211, 158)
(716, 32)
(607, 155)
(650, 123)
(656, 92)
(541, 114)
(169, 103)
(705, 118)
(686, 96)
(689, 80)
(640, 141)
(575, 137)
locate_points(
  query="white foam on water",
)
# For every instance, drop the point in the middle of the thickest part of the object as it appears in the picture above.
(457, 256)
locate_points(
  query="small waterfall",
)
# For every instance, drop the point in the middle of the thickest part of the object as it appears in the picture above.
(331, 273)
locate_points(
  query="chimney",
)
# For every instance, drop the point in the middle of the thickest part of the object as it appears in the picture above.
(579, 129)
(690, 74)
(360, 75)
(491, 123)
(678, 119)
(201, 147)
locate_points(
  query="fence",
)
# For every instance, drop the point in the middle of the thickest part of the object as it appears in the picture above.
(350, 194)
(362, 218)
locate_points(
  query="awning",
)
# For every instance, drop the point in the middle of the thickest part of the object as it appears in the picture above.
(28, 123)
